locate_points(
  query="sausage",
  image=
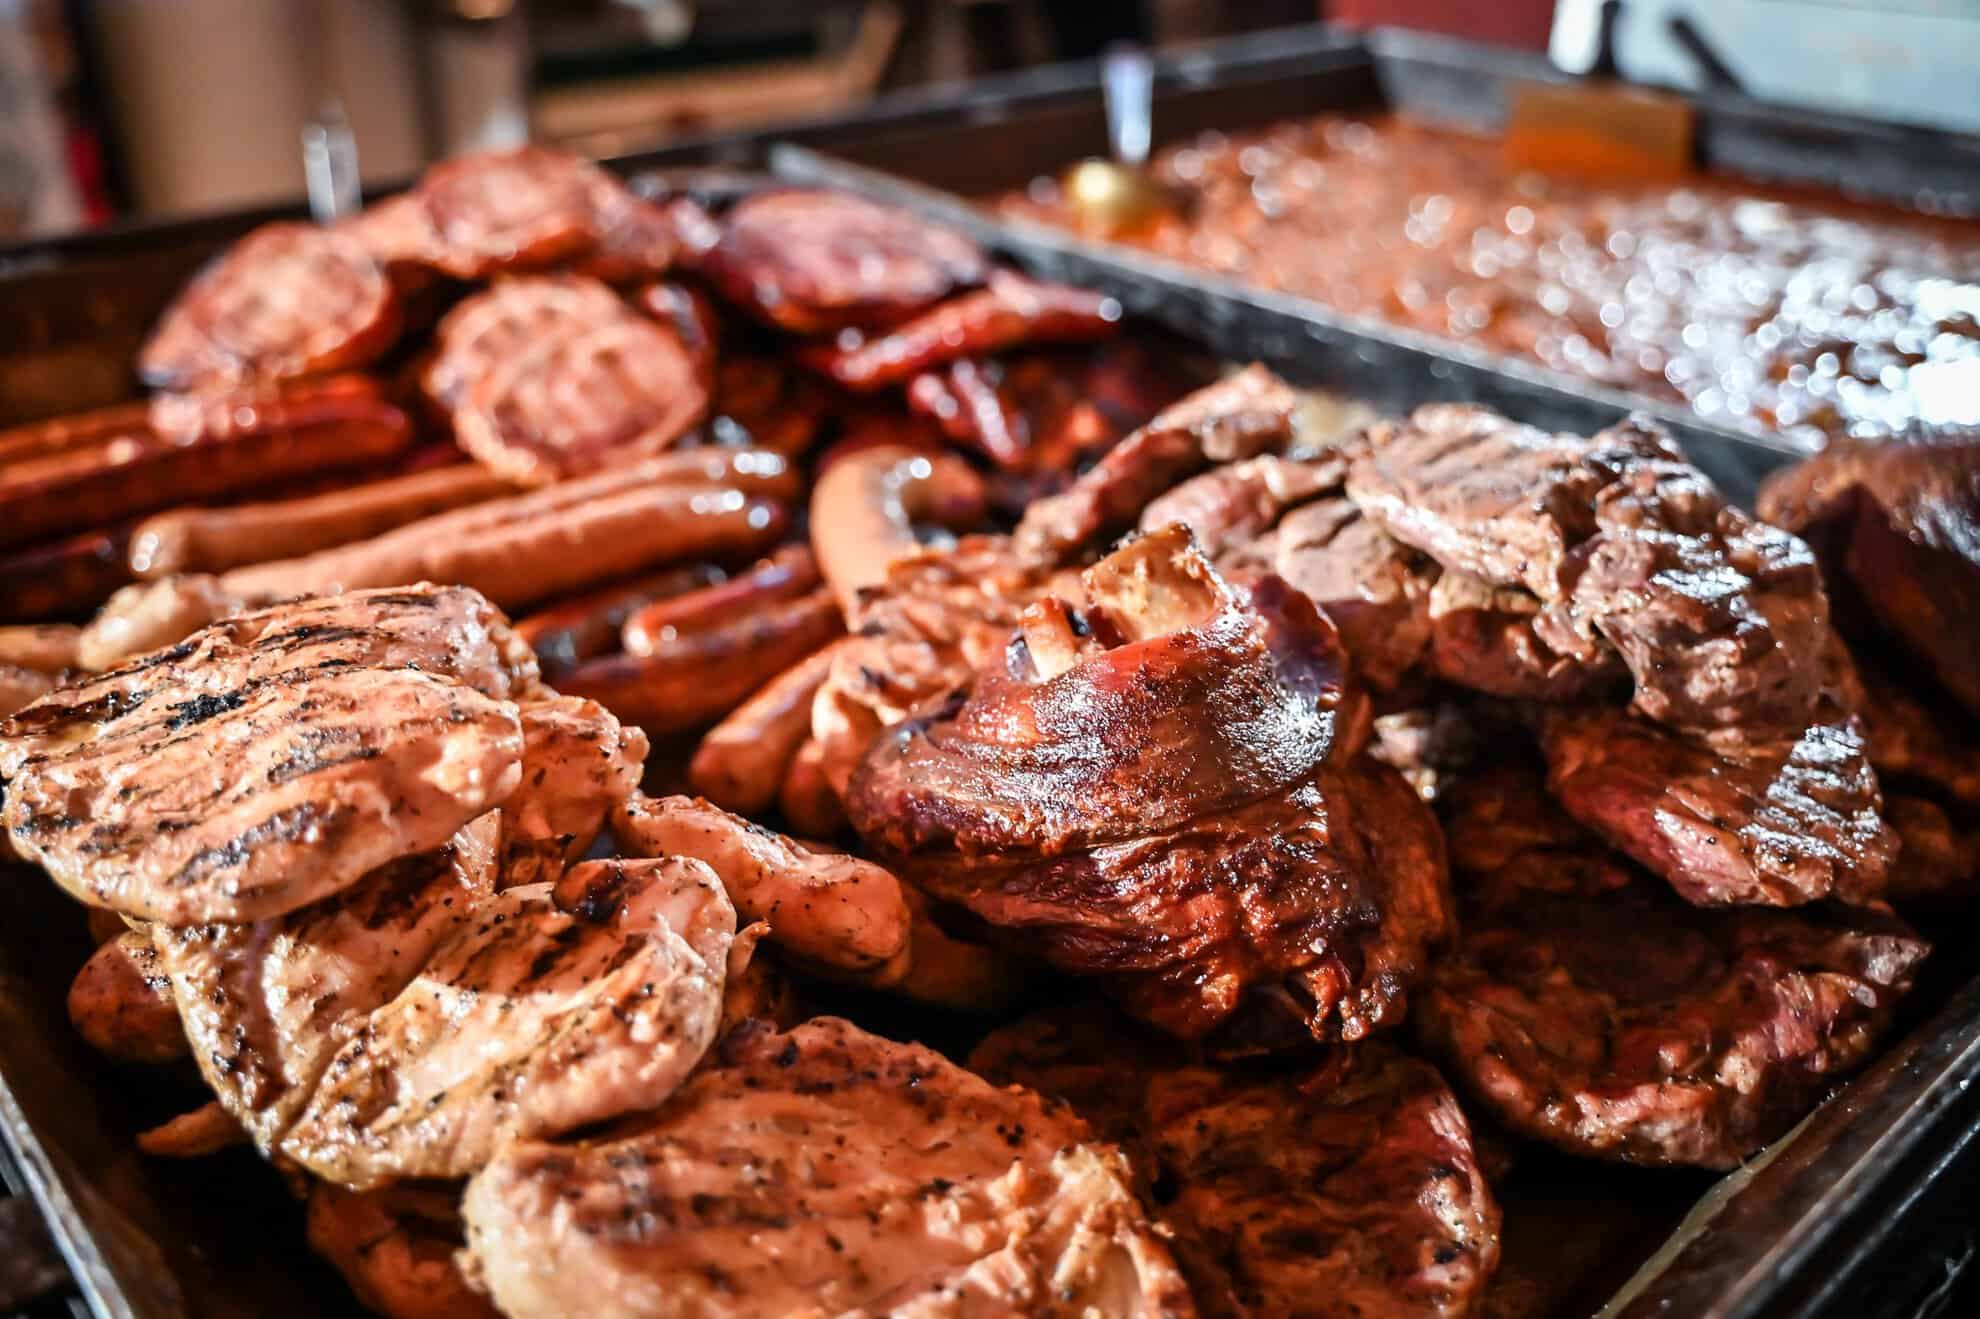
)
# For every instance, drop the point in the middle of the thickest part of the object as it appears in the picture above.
(148, 615)
(741, 763)
(966, 403)
(63, 578)
(588, 625)
(791, 571)
(811, 261)
(807, 799)
(121, 1003)
(864, 508)
(1012, 310)
(286, 300)
(702, 676)
(530, 547)
(576, 403)
(108, 479)
(43, 647)
(215, 539)
(522, 209)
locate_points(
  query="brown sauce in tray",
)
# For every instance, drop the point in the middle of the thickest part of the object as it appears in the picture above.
(1760, 306)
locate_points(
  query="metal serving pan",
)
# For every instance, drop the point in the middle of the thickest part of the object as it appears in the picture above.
(1432, 78)
(221, 1237)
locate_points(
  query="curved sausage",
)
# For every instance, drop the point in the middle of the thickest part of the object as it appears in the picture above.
(588, 625)
(790, 571)
(741, 762)
(864, 508)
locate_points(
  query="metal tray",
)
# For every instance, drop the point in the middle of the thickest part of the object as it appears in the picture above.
(221, 1237)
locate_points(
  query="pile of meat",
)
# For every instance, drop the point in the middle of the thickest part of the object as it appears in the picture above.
(1212, 779)
(600, 410)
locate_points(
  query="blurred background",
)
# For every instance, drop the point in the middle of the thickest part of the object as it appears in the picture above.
(141, 108)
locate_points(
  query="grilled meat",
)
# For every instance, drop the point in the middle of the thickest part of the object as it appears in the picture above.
(267, 1005)
(1162, 789)
(395, 1247)
(1900, 521)
(1622, 543)
(578, 764)
(812, 261)
(1229, 507)
(1587, 1007)
(1377, 590)
(1785, 823)
(287, 300)
(1344, 1188)
(508, 319)
(832, 912)
(121, 1002)
(272, 759)
(1243, 415)
(823, 1171)
(546, 1009)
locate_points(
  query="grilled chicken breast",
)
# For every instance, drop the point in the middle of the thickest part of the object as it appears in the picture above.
(822, 1172)
(551, 1009)
(272, 759)
(266, 1005)
(830, 911)
(578, 763)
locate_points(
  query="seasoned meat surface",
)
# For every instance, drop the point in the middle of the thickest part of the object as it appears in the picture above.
(823, 1171)
(1377, 590)
(121, 1002)
(1782, 824)
(267, 1004)
(1349, 1187)
(832, 912)
(1227, 507)
(578, 763)
(271, 759)
(549, 1008)
(1588, 1007)
(1172, 801)
(1903, 521)
(1721, 621)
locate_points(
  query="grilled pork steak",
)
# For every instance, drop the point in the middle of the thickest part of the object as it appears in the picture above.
(1787, 822)
(1621, 542)
(1349, 1187)
(271, 759)
(1587, 1007)
(823, 1171)
(1163, 789)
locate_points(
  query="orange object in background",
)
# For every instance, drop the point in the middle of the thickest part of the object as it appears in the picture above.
(1524, 23)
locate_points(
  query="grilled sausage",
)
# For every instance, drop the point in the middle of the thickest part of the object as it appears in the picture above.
(791, 571)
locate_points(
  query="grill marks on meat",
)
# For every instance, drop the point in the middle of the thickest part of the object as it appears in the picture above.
(479, 215)
(814, 261)
(267, 1004)
(1788, 822)
(272, 759)
(1345, 1188)
(1172, 801)
(547, 1010)
(287, 300)
(1622, 542)
(572, 404)
(1588, 1008)
(824, 1170)
(1902, 523)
